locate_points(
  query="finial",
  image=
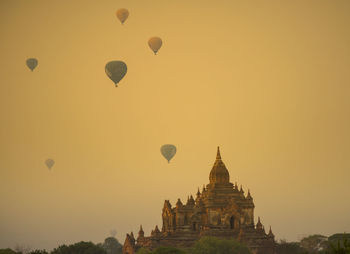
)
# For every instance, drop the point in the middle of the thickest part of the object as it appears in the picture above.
(218, 156)
(178, 203)
(141, 233)
(156, 230)
(248, 195)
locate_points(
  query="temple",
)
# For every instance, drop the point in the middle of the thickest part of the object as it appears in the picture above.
(221, 209)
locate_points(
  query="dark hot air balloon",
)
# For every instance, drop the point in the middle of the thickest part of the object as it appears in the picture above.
(122, 15)
(32, 63)
(168, 151)
(116, 70)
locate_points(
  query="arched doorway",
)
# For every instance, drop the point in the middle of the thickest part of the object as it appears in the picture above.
(232, 222)
(194, 226)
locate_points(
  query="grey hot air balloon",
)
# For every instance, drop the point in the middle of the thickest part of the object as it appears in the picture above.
(32, 63)
(168, 151)
(116, 70)
(49, 163)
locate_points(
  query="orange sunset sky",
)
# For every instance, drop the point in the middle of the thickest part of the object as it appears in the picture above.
(267, 81)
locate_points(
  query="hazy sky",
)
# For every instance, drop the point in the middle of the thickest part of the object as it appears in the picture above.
(267, 81)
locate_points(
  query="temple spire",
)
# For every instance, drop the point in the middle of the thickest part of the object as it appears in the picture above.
(141, 233)
(219, 173)
(218, 156)
(270, 233)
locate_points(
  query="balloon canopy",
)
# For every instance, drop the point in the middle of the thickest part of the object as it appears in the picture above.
(168, 151)
(155, 43)
(122, 15)
(49, 163)
(116, 70)
(32, 63)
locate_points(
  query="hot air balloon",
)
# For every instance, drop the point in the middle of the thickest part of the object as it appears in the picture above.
(155, 43)
(49, 163)
(168, 151)
(32, 63)
(116, 70)
(122, 15)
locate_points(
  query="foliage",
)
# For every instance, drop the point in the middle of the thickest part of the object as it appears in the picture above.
(7, 251)
(112, 246)
(340, 248)
(338, 237)
(168, 250)
(79, 248)
(212, 245)
(314, 243)
(38, 252)
(143, 251)
(284, 247)
(162, 250)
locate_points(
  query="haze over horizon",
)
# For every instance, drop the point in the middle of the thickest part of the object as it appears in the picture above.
(267, 81)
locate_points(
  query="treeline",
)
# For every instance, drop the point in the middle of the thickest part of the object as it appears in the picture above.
(314, 244)
(110, 246)
(206, 245)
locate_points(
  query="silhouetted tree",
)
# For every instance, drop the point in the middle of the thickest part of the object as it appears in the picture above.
(38, 252)
(342, 247)
(284, 247)
(168, 250)
(79, 248)
(7, 251)
(112, 246)
(162, 250)
(314, 243)
(143, 251)
(212, 245)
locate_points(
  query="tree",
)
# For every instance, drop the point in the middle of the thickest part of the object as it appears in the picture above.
(112, 246)
(38, 252)
(79, 248)
(168, 250)
(143, 251)
(162, 250)
(339, 248)
(212, 245)
(314, 243)
(7, 251)
(284, 247)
